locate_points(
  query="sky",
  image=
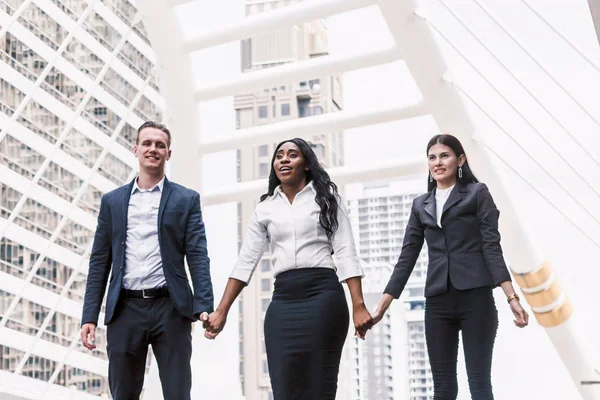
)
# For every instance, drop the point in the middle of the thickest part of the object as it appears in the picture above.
(546, 138)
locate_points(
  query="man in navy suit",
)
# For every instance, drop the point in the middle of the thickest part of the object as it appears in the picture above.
(145, 229)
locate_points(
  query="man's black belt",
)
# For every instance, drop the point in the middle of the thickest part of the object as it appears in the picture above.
(154, 293)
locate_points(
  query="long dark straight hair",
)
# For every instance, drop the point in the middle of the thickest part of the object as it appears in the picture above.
(457, 148)
(327, 191)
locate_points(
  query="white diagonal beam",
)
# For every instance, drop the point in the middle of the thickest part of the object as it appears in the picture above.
(297, 71)
(320, 124)
(382, 170)
(175, 3)
(280, 18)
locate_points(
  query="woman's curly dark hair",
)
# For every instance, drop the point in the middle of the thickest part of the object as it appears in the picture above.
(327, 191)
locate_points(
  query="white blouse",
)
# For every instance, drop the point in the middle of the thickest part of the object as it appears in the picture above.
(296, 237)
(441, 195)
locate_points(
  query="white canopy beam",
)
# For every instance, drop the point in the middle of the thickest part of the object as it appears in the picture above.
(280, 18)
(295, 72)
(175, 3)
(387, 169)
(320, 124)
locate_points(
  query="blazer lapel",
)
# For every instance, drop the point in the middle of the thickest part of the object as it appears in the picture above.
(126, 196)
(163, 201)
(430, 205)
(454, 198)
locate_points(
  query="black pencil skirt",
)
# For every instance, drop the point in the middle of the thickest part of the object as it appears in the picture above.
(306, 325)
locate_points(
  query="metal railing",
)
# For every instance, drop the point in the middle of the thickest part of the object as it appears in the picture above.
(66, 9)
(89, 29)
(28, 124)
(113, 92)
(41, 35)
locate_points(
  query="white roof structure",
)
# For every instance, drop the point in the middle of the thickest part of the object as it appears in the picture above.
(507, 78)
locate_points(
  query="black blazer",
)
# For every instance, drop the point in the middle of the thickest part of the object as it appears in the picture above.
(180, 233)
(465, 250)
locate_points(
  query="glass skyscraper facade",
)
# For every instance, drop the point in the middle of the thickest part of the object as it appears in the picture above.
(76, 80)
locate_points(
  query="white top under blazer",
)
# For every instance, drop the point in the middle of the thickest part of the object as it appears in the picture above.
(296, 237)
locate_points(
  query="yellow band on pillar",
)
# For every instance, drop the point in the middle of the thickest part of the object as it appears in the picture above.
(546, 296)
(535, 278)
(555, 317)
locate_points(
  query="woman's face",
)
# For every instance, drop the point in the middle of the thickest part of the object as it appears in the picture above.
(443, 163)
(290, 164)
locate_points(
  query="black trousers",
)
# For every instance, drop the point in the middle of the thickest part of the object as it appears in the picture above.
(143, 322)
(474, 313)
(306, 325)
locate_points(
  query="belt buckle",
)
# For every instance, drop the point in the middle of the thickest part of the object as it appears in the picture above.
(144, 295)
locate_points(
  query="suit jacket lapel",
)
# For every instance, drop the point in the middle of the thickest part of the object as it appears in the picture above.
(430, 205)
(126, 196)
(455, 197)
(163, 201)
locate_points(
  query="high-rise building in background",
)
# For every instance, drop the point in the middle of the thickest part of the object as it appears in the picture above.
(314, 96)
(379, 214)
(376, 368)
(75, 83)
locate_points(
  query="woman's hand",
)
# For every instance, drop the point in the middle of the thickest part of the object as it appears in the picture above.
(214, 324)
(378, 315)
(362, 320)
(521, 316)
(385, 302)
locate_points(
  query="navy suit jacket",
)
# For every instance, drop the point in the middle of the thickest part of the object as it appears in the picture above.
(180, 234)
(465, 250)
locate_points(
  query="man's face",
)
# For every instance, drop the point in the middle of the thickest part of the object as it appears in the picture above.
(152, 150)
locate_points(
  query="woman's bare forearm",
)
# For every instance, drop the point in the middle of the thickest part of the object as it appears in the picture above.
(232, 291)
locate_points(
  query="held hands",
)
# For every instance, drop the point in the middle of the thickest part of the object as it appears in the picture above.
(362, 320)
(385, 302)
(213, 324)
(521, 316)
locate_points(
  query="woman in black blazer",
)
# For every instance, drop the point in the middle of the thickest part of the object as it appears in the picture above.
(459, 220)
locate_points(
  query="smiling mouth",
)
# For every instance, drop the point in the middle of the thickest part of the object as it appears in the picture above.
(285, 169)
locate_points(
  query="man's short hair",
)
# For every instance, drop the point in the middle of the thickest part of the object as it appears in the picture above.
(153, 124)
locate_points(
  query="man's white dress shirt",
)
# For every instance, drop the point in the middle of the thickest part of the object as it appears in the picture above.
(143, 263)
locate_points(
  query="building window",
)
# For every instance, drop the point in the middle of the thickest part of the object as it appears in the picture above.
(263, 150)
(285, 109)
(265, 265)
(263, 170)
(265, 285)
(262, 112)
(265, 304)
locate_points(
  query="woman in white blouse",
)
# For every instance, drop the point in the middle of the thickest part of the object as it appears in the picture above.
(304, 221)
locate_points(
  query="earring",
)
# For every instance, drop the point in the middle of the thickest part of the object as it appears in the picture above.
(430, 177)
(460, 175)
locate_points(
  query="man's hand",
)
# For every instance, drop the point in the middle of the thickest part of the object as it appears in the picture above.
(88, 335)
(202, 317)
(214, 324)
